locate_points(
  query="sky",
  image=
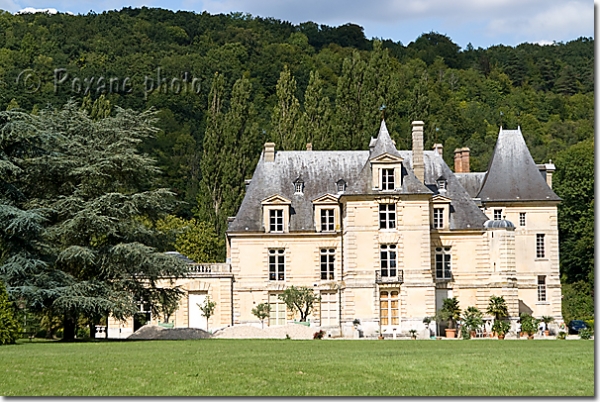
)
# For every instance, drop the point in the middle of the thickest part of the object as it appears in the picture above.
(483, 23)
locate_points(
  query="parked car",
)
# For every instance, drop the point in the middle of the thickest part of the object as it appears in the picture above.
(575, 326)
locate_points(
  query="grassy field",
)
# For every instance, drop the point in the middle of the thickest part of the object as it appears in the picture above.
(289, 367)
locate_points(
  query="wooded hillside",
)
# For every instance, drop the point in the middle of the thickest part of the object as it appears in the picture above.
(230, 82)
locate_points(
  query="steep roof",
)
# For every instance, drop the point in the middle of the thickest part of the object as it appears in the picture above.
(464, 213)
(383, 144)
(512, 174)
(471, 182)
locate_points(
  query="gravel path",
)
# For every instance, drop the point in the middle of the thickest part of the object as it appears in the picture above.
(295, 331)
(153, 332)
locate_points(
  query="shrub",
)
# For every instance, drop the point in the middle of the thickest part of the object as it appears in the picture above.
(561, 335)
(586, 333)
(319, 334)
(9, 327)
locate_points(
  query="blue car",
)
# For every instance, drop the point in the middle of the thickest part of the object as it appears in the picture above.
(575, 326)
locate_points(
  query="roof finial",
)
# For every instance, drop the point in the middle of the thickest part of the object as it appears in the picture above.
(382, 108)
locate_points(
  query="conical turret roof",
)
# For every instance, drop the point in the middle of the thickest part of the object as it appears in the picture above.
(512, 174)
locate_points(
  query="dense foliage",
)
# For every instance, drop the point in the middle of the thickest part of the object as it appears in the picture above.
(74, 238)
(9, 327)
(222, 85)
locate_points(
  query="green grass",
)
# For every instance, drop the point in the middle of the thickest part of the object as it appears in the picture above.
(286, 367)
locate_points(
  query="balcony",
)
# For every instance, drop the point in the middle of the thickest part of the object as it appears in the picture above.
(213, 268)
(389, 280)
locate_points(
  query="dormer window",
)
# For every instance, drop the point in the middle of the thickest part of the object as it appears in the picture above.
(387, 179)
(298, 186)
(341, 186)
(276, 214)
(442, 183)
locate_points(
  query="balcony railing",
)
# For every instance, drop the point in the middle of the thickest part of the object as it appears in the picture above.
(386, 279)
(213, 268)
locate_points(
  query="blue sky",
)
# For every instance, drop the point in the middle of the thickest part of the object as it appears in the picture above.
(481, 22)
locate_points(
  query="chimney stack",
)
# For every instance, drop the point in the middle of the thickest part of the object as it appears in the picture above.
(439, 148)
(458, 160)
(269, 152)
(465, 163)
(309, 146)
(417, 150)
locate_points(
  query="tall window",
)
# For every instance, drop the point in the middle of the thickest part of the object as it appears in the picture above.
(497, 214)
(327, 220)
(387, 216)
(542, 288)
(387, 179)
(388, 260)
(540, 249)
(277, 312)
(277, 265)
(438, 218)
(327, 263)
(276, 220)
(521, 218)
(443, 263)
(388, 307)
(298, 187)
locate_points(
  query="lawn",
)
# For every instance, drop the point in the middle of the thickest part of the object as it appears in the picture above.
(291, 367)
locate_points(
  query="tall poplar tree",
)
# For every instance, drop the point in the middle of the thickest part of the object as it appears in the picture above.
(210, 195)
(285, 119)
(316, 118)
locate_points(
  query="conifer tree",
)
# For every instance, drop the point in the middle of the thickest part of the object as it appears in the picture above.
(286, 113)
(89, 194)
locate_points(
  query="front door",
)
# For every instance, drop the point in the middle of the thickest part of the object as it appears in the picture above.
(195, 316)
(389, 311)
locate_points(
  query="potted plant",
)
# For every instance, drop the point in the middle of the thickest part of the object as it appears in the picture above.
(450, 312)
(413, 334)
(501, 327)
(528, 325)
(473, 319)
(546, 319)
(498, 308)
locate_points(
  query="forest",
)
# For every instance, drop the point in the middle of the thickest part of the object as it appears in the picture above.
(216, 87)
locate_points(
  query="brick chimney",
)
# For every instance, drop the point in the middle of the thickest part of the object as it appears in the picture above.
(417, 150)
(439, 148)
(458, 160)
(269, 152)
(309, 146)
(466, 154)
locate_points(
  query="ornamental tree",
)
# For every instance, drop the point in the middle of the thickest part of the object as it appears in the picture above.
(262, 312)
(301, 299)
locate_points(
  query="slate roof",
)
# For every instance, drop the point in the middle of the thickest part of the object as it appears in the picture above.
(320, 171)
(512, 174)
(464, 213)
(471, 182)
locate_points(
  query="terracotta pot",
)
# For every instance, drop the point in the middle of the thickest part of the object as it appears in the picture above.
(500, 337)
(473, 334)
(380, 337)
(529, 336)
(450, 333)
(546, 333)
